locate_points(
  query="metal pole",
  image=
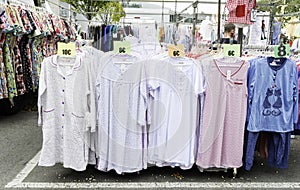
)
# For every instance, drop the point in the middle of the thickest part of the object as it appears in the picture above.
(162, 12)
(240, 39)
(219, 21)
(195, 5)
(176, 11)
(271, 23)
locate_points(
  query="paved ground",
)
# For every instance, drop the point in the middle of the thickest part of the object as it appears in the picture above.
(20, 142)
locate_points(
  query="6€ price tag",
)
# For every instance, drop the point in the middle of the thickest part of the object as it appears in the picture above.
(66, 49)
(282, 51)
(176, 50)
(122, 47)
(231, 50)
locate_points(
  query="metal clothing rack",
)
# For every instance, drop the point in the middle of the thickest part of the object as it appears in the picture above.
(195, 14)
(260, 47)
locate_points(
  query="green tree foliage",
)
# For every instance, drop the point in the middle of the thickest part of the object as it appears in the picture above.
(107, 10)
(112, 12)
(290, 8)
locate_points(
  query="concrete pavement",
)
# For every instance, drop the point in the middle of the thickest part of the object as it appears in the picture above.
(21, 139)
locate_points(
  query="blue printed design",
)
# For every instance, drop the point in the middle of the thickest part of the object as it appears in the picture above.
(271, 92)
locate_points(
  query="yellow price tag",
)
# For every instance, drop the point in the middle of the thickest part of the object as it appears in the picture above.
(231, 50)
(66, 49)
(176, 50)
(122, 47)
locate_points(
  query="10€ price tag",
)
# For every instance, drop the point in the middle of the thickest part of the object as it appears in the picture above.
(66, 49)
(282, 51)
(231, 50)
(176, 50)
(122, 47)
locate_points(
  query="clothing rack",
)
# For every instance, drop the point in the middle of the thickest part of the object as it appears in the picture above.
(137, 21)
(260, 47)
(263, 50)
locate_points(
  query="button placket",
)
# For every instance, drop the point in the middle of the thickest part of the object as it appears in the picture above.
(63, 107)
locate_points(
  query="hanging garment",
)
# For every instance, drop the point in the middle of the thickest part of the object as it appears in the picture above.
(96, 31)
(26, 62)
(37, 58)
(40, 26)
(63, 104)
(272, 107)
(276, 33)
(9, 68)
(297, 127)
(257, 28)
(240, 11)
(49, 46)
(33, 26)
(296, 45)
(107, 39)
(94, 56)
(175, 86)
(224, 114)
(170, 33)
(59, 27)
(147, 32)
(49, 25)
(121, 114)
(18, 67)
(205, 29)
(278, 149)
(3, 80)
(27, 21)
(273, 95)
(14, 19)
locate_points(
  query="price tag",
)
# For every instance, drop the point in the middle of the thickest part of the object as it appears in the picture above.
(176, 50)
(122, 47)
(282, 51)
(66, 49)
(231, 50)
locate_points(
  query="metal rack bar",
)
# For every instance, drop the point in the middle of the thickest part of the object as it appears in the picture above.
(219, 21)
